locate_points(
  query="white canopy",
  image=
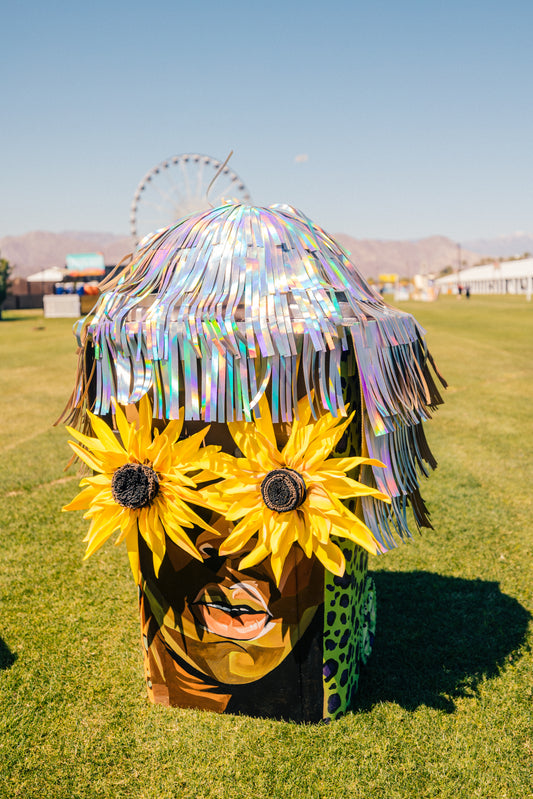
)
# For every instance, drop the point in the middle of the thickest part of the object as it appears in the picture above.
(52, 275)
(500, 277)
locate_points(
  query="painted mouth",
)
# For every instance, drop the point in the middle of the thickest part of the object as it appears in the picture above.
(238, 612)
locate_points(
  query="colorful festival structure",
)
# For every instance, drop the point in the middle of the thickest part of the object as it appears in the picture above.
(251, 413)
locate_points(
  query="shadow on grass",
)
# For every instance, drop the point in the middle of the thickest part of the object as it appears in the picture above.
(7, 657)
(17, 316)
(436, 638)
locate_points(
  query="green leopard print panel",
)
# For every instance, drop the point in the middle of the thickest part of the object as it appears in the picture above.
(343, 611)
(344, 596)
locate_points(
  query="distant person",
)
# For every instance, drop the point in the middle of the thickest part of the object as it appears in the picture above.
(467, 292)
(459, 289)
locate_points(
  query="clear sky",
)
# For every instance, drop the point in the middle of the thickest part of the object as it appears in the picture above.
(410, 118)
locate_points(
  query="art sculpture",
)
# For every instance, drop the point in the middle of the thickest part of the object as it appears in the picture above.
(251, 415)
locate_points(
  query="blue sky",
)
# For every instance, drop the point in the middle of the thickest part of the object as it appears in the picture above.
(416, 118)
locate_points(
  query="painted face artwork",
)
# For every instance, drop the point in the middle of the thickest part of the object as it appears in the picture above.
(228, 626)
(213, 622)
(240, 625)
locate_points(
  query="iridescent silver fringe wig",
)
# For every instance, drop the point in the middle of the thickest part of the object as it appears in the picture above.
(221, 307)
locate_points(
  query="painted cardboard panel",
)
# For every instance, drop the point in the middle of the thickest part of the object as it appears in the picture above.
(229, 641)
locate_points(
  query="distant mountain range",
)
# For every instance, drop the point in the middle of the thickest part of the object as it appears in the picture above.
(32, 252)
(503, 246)
(405, 258)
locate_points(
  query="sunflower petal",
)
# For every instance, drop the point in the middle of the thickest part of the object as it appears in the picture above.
(331, 557)
(182, 540)
(81, 501)
(123, 426)
(87, 457)
(264, 422)
(173, 429)
(348, 464)
(96, 480)
(185, 449)
(105, 434)
(132, 544)
(127, 526)
(102, 531)
(91, 443)
(258, 553)
(240, 535)
(240, 432)
(144, 433)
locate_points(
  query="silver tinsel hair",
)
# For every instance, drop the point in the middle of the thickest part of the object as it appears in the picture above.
(223, 306)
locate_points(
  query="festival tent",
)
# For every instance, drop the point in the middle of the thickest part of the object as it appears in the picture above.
(500, 277)
(52, 275)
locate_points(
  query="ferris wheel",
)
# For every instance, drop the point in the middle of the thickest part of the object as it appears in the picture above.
(178, 187)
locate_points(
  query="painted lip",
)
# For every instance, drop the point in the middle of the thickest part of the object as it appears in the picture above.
(238, 612)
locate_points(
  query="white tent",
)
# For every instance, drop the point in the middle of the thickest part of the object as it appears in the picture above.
(505, 277)
(52, 275)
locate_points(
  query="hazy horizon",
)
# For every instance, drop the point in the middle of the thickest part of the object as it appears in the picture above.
(472, 244)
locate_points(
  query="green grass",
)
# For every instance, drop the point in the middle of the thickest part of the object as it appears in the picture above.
(445, 708)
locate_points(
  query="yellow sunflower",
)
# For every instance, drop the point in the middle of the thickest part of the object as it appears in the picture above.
(292, 496)
(141, 484)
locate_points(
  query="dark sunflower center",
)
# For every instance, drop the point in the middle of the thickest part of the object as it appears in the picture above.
(283, 490)
(134, 485)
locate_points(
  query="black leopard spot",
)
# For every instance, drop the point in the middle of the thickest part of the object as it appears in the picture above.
(334, 703)
(330, 645)
(344, 678)
(330, 668)
(343, 618)
(344, 639)
(342, 582)
(330, 618)
(344, 601)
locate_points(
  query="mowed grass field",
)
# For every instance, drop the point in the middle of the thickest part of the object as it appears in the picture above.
(445, 707)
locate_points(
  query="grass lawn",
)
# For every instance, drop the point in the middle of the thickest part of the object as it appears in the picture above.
(445, 706)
